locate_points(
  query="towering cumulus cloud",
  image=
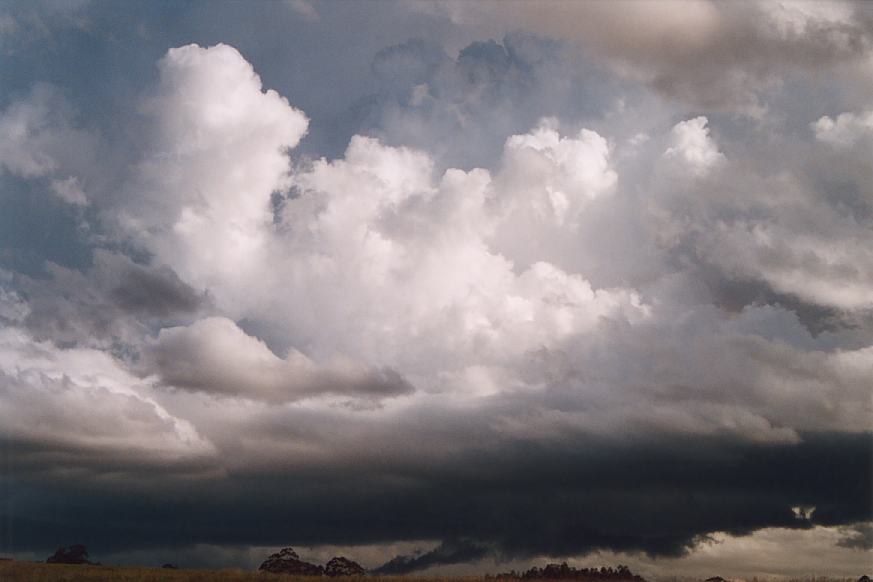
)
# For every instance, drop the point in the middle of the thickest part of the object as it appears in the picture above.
(579, 312)
(217, 151)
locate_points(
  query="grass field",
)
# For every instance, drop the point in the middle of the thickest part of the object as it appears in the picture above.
(11, 571)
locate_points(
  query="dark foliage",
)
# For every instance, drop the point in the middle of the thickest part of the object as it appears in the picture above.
(564, 572)
(75, 554)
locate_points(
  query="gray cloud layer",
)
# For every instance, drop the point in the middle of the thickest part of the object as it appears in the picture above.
(713, 55)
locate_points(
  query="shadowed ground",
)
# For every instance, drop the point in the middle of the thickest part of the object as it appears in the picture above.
(12, 571)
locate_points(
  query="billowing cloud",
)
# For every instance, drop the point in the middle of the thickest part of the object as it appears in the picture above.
(754, 224)
(567, 172)
(369, 257)
(431, 293)
(690, 142)
(202, 196)
(82, 406)
(216, 356)
(846, 129)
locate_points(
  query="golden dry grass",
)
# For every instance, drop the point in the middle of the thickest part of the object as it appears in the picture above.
(13, 571)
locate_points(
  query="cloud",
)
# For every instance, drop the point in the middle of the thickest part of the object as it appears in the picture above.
(712, 55)
(814, 268)
(201, 197)
(845, 130)
(12, 307)
(567, 171)
(521, 499)
(858, 537)
(448, 552)
(691, 143)
(785, 230)
(82, 406)
(430, 276)
(216, 356)
(461, 108)
(407, 65)
(393, 266)
(70, 190)
(39, 140)
(111, 303)
(431, 294)
(154, 291)
(791, 552)
(23, 25)
(22, 151)
(304, 8)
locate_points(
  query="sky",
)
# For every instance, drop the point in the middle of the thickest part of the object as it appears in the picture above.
(449, 287)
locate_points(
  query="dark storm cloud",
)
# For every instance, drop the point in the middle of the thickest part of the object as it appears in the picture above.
(859, 536)
(522, 500)
(448, 552)
(106, 302)
(153, 291)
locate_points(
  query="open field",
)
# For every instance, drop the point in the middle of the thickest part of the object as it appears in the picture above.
(12, 571)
